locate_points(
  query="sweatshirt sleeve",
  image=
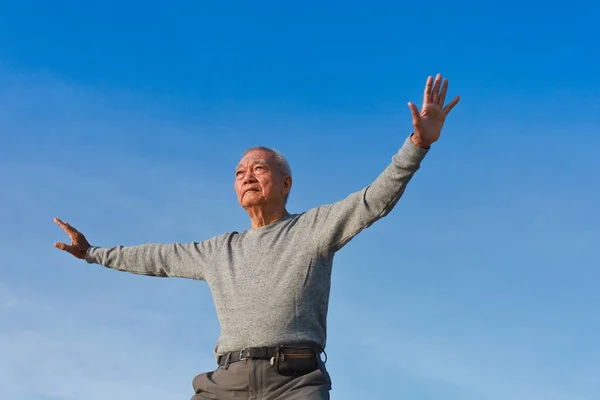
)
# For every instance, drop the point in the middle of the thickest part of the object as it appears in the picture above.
(190, 260)
(336, 224)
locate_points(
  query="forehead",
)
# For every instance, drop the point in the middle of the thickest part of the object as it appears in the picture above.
(256, 157)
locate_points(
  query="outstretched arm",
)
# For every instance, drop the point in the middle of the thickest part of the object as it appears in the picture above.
(336, 224)
(163, 260)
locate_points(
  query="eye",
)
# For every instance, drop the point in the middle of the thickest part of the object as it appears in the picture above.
(259, 168)
(239, 173)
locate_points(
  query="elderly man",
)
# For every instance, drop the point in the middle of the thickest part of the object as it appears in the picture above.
(271, 283)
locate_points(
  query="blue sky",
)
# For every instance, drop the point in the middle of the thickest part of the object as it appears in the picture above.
(127, 118)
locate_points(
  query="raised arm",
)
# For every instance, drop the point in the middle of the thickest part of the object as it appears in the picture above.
(336, 224)
(162, 260)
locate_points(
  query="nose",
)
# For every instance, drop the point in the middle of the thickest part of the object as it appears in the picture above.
(249, 177)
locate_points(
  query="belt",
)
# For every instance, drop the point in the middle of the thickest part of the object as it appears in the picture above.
(257, 353)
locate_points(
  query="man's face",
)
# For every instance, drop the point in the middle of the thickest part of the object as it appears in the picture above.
(259, 182)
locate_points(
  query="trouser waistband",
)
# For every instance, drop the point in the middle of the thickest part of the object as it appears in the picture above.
(265, 353)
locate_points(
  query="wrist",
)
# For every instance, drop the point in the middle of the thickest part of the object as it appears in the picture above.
(82, 251)
(419, 142)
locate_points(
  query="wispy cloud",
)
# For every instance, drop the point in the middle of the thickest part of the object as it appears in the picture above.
(411, 343)
(70, 330)
(499, 369)
(56, 351)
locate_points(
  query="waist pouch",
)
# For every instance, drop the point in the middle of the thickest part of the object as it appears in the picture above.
(294, 361)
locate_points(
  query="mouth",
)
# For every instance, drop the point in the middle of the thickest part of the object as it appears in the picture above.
(251, 190)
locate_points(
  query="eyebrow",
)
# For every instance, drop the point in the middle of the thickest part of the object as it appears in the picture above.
(258, 161)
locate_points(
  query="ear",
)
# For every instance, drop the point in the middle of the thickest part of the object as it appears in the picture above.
(287, 185)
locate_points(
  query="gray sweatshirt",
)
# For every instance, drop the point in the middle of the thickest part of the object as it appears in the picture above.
(271, 285)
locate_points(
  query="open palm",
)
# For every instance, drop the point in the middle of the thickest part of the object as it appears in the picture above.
(429, 121)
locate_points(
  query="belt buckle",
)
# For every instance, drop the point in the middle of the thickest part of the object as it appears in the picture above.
(242, 354)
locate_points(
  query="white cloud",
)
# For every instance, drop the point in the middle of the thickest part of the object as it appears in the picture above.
(52, 350)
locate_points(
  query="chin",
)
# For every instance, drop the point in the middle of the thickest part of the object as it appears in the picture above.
(250, 203)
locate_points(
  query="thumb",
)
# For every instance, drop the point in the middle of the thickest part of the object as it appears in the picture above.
(63, 246)
(416, 118)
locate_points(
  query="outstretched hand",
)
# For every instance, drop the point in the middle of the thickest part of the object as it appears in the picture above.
(79, 245)
(429, 122)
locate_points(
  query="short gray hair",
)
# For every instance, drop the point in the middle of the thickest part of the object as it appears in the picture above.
(282, 163)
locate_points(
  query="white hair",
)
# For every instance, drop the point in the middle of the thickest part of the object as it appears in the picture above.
(282, 163)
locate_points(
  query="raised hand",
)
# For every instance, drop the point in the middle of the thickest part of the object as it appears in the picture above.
(79, 245)
(429, 122)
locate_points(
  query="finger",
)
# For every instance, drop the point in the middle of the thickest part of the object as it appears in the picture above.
(427, 94)
(435, 95)
(451, 105)
(66, 227)
(71, 228)
(416, 118)
(443, 94)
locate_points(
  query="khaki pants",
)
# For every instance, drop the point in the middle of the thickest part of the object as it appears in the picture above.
(257, 380)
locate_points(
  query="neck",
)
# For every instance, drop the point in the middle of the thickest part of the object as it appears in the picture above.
(263, 216)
